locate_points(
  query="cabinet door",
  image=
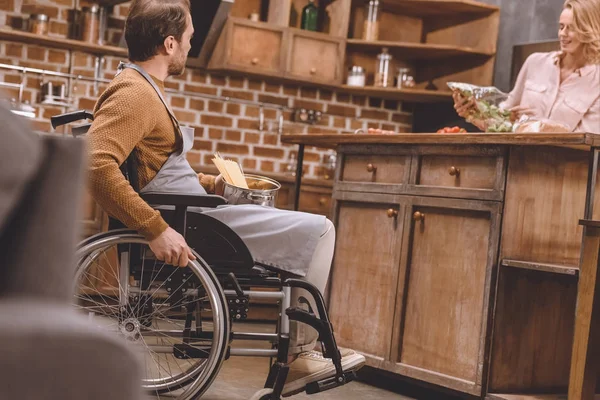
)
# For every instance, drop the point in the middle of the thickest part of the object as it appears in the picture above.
(444, 295)
(255, 47)
(316, 57)
(364, 276)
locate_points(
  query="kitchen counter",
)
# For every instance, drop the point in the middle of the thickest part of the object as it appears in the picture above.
(458, 255)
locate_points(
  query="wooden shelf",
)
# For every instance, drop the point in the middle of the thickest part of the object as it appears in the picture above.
(530, 397)
(59, 43)
(552, 268)
(414, 51)
(426, 8)
(409, 95)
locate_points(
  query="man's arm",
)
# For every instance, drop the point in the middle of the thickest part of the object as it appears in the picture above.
(120, 122)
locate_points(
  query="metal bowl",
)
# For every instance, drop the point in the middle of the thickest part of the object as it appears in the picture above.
(262, 191)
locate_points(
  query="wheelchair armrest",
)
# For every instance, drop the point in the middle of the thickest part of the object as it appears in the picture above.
(185, 200)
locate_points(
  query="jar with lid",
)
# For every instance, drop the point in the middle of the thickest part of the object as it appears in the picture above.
(356, 76)
(404, 79)
(38, 24)
(382, 72)
(371, 24)
(90, 23)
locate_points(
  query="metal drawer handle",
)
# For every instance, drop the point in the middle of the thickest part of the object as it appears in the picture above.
(453, 171)
(391, 213)
(418, 216)
(323, 201)
(313, 71)
(371, 168)
(254, 61)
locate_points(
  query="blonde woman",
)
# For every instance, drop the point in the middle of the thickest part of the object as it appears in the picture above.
(562, 86)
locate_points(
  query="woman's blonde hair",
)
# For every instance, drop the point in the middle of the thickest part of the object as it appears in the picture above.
(586, 24)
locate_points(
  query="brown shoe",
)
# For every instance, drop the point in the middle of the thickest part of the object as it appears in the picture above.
(311, 366)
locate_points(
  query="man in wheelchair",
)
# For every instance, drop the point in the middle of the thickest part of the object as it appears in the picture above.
(132, 120)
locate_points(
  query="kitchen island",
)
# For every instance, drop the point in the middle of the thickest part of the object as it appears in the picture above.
(458, 256)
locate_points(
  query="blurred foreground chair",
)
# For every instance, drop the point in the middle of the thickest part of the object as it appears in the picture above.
(47, 351)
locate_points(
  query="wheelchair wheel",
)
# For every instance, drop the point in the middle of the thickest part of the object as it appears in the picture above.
(175, 318)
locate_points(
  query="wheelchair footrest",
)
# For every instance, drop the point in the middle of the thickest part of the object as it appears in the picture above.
(330, 383)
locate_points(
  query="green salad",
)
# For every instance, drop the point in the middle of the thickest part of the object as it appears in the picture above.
(487, 100)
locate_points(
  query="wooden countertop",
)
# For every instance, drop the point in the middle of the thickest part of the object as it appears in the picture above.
(551, 139)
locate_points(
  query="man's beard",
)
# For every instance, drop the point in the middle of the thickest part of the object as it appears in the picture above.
(177, 67)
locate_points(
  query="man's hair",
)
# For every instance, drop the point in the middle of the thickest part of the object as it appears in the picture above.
(150, 22)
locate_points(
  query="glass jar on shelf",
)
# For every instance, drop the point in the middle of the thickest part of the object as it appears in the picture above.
(371, 24)
(382, 71)
(404, 79)
(356, 76)
(38, 24)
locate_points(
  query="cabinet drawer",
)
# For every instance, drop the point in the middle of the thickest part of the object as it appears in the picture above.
(470, 172)
(256, 47)
(315, 58)
(376, 169)
(315, 202)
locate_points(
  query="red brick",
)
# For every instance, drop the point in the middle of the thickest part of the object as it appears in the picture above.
(233, 109)
(308, 93)
(388, 127)
(197, 105)
(36, 53)
(81, 60)
(247, 124)
(50, 112)
(199, 89)
(341, 110)
(402, 118)
(178, 102)
(214, 133)
(232, 148)
(236, 82)
(318, 129)
(265, 98)
(57, 56)
(215, 106)
(359, 100)
(251, 137)
(249, 164)
(254, 85)
(193, 158)
(217, 80)
(7, 5)
(41, 126)
(216, 120)
(86, 103)
(14, 50)
(58, 28)
(18, 79)
(185, 116)
(325, 94)
(339, 122)
(198, 131)
(234, 136)
(310, 105)
(236, 94)
(375, 102)
(272, 88)
(269, 113)
(270, 139)
(342, 97)
(404, 129)
(203, 145)
(268, 152)
(267, 166)
(197, 76)
(290, 90)
(172, 85)
(375, 114)
(314, 157)
(373, 125)
(390, 104)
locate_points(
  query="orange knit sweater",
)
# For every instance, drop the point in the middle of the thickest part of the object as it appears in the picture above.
(129, 115)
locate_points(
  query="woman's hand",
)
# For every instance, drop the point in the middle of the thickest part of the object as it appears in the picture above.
(219, 185)
(465, 108)
(517, 112)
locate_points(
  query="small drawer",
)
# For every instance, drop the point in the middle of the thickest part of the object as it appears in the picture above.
(256, 47)
(376, 169)
(315, 58)
(315, 202)
(458, 171)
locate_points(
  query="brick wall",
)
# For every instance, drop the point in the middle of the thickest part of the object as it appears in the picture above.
(227, 127)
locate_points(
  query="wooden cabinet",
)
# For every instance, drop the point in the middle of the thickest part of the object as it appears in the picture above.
(314, 57)
(95, 219)
(250, 46)
(413, 269)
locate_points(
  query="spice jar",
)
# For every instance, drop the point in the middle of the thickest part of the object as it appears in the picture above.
(382, 74)
(404, 79)
(356, 76)
(371, 24)
(90, 23)
(38, 24)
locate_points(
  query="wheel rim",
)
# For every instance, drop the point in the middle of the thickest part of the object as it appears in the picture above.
(155, 332)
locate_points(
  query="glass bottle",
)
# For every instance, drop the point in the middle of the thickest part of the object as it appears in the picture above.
(382, 74)
(310, 14)
(371, 24)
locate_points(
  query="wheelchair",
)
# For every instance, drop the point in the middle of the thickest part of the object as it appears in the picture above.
(180, 320)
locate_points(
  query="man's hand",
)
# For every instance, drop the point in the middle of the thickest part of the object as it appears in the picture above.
(219, 185)
(171, 248)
